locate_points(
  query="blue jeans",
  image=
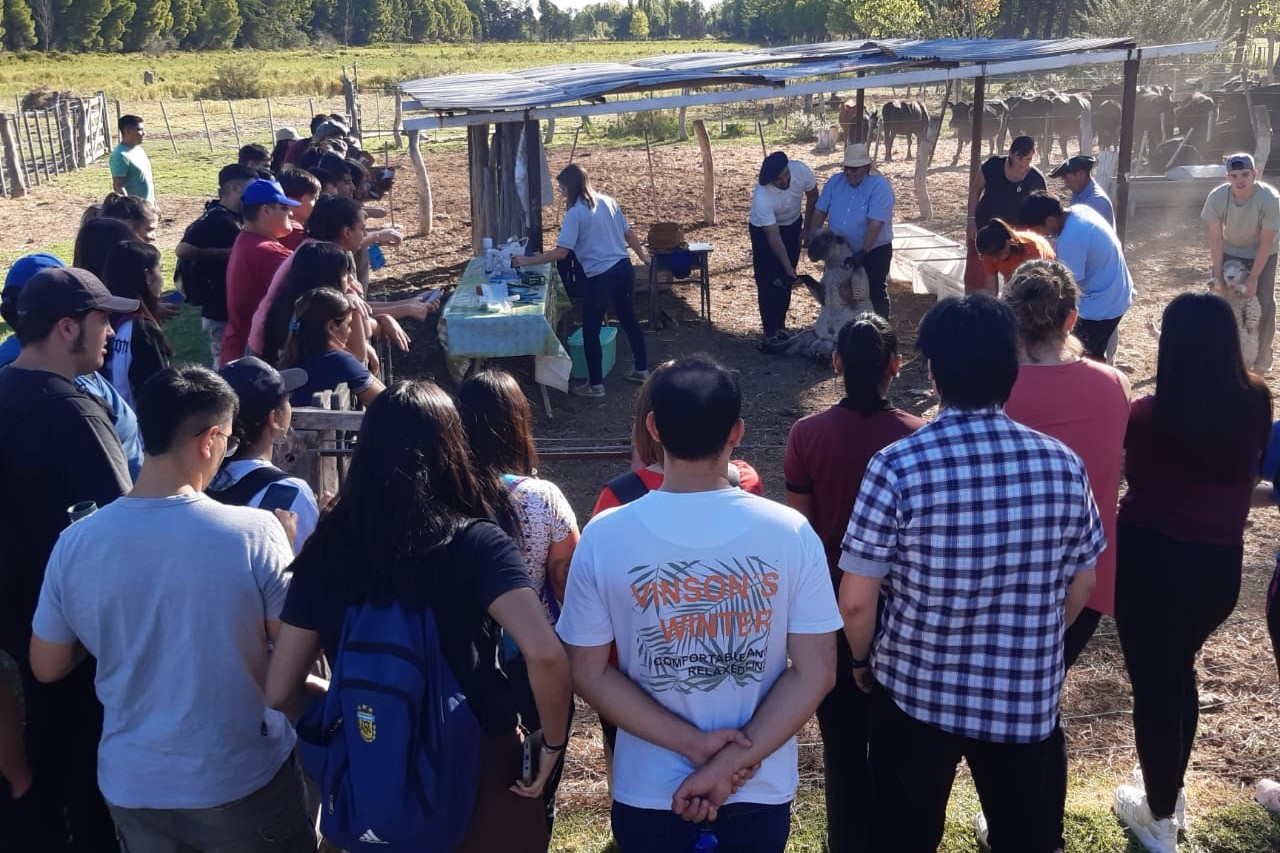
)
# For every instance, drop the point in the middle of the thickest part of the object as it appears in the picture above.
(617, 283)
(739, 827)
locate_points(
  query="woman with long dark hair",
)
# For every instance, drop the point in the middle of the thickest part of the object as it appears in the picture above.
(1085, 405)
(139, 349)
(998, 190)
(826, 456)
(315, 264)
(94, 239)
(410, 526)
(1193, 454)
(498, 421)
(318, 336)
(596, 231)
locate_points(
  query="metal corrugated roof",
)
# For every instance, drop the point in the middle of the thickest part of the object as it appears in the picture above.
(562, 84)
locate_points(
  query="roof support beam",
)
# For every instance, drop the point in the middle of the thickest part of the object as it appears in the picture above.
(827, 84)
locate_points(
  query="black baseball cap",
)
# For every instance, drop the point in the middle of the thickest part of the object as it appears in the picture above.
(1075, 164)
(260, 386)
(54, 293)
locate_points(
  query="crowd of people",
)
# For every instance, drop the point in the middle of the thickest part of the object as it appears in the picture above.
(198, 652)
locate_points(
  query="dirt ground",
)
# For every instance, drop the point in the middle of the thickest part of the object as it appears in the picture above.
(1239, 739)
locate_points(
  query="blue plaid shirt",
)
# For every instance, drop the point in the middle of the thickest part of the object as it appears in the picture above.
(977, 525)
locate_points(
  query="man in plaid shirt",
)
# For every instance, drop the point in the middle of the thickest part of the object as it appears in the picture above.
(981, 534)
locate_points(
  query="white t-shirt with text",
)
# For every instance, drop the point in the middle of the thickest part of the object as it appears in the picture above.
(700, 591)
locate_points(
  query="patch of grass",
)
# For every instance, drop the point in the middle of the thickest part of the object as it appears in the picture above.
(1090, 827)
(306, 71)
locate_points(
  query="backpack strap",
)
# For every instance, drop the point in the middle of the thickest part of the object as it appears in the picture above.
(242, 491)
(627, 487)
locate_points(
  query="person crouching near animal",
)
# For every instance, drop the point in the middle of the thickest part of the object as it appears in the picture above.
(860, 205)
(827, 454)
(1243, 216)
(1089, 247)
(776, 227)
(1003, 249)
(999, 189)
(597, 232)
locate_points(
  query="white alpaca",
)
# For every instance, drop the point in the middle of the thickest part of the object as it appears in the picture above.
(843, 293)
(1248, 312)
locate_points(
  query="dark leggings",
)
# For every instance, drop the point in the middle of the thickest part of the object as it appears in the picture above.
(1073, 642)
(844, 718)
(617, 283)
(1170, 596)
(773, 287)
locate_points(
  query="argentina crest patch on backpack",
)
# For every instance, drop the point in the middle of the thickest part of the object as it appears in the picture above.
(394, 746)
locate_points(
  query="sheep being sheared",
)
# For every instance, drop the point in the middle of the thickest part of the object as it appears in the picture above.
(843, 293)
(1248, 312)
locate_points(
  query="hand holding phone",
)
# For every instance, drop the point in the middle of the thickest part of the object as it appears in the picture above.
(530, 757)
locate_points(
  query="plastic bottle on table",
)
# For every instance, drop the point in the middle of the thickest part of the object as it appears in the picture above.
(491, 259)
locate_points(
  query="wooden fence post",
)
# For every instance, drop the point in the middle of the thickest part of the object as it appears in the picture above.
(12, 157)
(234, 124)
(397, 122)
(425, 202)
(164, 113)
(67, 135)
(106, 121)
(204, 118)
(708, 173)
(271, 121)
(81, 130)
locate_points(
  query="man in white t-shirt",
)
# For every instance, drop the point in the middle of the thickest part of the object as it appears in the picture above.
(776, 228)
(707, 591)
(179, 598)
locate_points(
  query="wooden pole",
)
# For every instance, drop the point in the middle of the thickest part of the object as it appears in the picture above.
(48, 131)
(574, 149)
(860, 121)
(164, 113)
(425, 201)
(764, 152)
(204, 118)
(271, 121)
(234, 124)
(477, 173)
(975, 132)
(311, 107)
(533, 169)
(377, 114)
(649, 155)
(12, 157)
(397, 122)
(106, 125)
(1128, 106)
(708, 173)
(31, 148)
(550, 135)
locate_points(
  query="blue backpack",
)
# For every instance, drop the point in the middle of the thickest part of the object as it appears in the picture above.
(394, 746)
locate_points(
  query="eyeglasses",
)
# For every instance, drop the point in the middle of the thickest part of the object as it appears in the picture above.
(233, 443)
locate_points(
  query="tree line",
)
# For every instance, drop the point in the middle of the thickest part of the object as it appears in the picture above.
(135, 25)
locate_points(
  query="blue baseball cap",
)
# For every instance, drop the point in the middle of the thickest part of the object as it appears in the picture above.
(263, 191)
(22, 271)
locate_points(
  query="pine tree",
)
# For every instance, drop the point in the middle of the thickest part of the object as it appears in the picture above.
(78, 23)
(1158, 21)
(186, 14)
(373, 21)
(153, 20)
(218, 26)
(114, 24)
(19, 27)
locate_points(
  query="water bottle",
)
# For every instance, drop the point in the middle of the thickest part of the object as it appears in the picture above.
(80, 510)
(707, 840)
(490, 256)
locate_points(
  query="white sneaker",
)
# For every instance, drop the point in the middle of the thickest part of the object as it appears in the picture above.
(586, 389)
(1179, 808)
(1158, 836)
(1268, 794)
(982, 832)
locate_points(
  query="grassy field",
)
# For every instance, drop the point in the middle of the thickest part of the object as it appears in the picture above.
(312, 71)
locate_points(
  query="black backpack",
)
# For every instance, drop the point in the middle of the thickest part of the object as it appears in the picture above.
(242, 491)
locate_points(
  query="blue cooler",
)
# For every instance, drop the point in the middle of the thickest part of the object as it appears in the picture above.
(608, 352)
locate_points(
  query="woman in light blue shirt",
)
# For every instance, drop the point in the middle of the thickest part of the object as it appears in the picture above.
(595, 229)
